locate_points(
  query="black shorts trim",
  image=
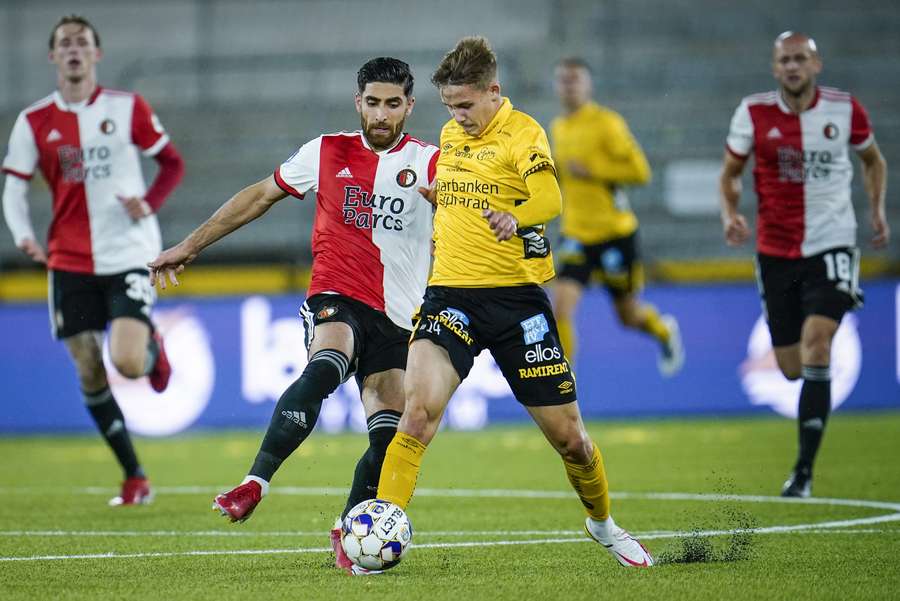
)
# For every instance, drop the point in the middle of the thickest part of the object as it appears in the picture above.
(515, 324)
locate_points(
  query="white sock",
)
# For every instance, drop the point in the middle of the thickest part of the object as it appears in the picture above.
(264, 484)
(602, 528)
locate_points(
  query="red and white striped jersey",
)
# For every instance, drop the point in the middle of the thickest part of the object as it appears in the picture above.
(89, 154)
(802, 169)
(372, 232)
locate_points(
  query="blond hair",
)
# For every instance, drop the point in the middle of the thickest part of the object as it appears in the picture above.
(471, 62)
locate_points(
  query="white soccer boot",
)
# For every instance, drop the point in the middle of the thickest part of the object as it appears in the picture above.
(621, 545)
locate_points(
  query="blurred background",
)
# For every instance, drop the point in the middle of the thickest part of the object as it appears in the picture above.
(240, 85)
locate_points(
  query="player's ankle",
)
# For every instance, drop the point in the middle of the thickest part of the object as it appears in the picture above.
(263, 484)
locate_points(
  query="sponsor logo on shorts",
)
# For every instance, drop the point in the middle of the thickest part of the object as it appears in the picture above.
(543, 371)
(566, 387)
(326, 312)
(535, 328)
(454, 320)
(540, 354)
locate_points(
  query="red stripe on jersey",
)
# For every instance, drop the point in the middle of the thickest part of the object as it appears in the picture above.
(61, 162)
(779, 176)
(860, 127)
(432, 167)
(284, 185)
(345, 260)
(18, 174)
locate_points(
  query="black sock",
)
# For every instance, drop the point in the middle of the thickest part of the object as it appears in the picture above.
(152, 354)
(815, 404)
(382, 427)
(298, 409)
(111, 423)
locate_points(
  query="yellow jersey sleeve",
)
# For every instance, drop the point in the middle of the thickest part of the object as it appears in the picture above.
(475, 173)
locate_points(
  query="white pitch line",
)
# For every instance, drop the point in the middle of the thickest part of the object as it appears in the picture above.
(196, 553)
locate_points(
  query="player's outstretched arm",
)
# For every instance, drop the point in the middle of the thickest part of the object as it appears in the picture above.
(242, 208)
(875, 181)
(734, 225)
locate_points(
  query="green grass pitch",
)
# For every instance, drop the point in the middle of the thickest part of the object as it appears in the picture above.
(494, 517)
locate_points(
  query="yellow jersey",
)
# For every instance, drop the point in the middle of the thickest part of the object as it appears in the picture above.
(595, 209)
(488, 171)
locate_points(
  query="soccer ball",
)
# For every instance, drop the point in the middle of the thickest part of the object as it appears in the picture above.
(376, 534)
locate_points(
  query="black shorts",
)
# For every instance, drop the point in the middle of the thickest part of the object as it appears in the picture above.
(793, 289)
(616, 262)
(81, 302)
(378, 343)
(515, 323)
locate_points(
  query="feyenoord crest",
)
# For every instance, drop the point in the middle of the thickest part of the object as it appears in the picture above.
(327, 312)
(406, 178)
(831, 131)
(107, 126)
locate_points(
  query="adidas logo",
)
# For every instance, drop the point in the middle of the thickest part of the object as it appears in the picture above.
(774, 133)
(54, 135)
(815, 423)
(345, 172)
(298, 417)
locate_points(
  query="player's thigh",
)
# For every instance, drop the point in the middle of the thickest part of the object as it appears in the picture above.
(77, 304)
(128, 338)
(130, 295)
(331, 322)
(788, 359)
(830, 284)
(564, 429)
(525, 344)
(567, 294)
(429, 382)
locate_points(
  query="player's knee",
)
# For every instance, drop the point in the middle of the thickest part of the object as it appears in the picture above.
(91, 374)
(577, 448)
(418, 423)
(816, 349)
(629, 316)
(129, 364)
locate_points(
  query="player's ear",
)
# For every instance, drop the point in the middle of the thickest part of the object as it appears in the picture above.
(358, 101)
(409, 105)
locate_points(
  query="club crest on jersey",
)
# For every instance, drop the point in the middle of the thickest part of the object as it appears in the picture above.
(406, 178)
(326, 312)
(831, 131)
(108, 126)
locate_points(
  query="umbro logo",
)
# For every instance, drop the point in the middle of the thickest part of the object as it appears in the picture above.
(54, 135)
(298, 417)
(345, 172)
(774, 133)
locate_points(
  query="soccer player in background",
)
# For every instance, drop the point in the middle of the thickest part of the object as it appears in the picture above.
(800, 136)
(87, 141)
(596, 156)
(495, 188)
(371, 258)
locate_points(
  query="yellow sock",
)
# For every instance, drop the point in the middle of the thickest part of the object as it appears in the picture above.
(400, 469)
(589, 481)
(653, 325)
(567, 337)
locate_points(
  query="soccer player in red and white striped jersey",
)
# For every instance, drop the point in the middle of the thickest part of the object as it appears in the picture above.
(371, 257)
(87, 142)
(800, 137)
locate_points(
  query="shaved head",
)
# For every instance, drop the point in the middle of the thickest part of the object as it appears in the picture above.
(795, 37)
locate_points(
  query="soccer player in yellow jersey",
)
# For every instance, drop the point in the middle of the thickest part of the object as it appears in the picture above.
(495, 188)
(595, 156)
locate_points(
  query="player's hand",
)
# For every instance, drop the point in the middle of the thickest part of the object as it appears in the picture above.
(503, 224)
(170, 263)
(30, 247)
(136, 207)
(430, 195)
(736, 229)
(881, 231)
(578, 169)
